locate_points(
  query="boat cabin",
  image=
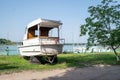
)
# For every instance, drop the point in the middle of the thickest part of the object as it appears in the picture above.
(33, 32)
(42, 29)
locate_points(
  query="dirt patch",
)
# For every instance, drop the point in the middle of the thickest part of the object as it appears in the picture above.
(97, 72)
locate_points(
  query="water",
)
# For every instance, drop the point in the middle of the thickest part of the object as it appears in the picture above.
(13, 49)
(83, 49)
(68, 48)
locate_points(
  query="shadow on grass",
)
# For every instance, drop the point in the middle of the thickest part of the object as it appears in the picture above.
(78, 60)
(7, 67)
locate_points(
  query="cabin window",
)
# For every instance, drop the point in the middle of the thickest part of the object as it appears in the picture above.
(32, 32)
(44, 31)
(36, 33)
(53, 32)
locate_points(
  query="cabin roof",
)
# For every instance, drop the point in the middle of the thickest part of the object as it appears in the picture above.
(44, 23)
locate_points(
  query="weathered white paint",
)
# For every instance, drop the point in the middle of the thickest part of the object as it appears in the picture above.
(33, 50)
(41, 45)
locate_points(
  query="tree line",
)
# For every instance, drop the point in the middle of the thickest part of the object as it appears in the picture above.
(6, 42)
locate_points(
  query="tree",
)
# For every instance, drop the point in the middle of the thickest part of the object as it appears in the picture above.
(5, 42)
(103, 25)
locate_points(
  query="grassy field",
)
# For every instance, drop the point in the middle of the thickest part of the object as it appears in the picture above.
(10, 64)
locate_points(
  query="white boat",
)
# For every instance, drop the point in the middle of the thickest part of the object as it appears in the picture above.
(38, 42)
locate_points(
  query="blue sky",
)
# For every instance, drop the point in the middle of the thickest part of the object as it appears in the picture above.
(16, 14)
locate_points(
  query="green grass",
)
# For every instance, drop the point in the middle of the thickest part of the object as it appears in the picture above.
(10, 64)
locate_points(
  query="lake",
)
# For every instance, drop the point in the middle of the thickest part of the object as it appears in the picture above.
(82, 49)
(13, 49)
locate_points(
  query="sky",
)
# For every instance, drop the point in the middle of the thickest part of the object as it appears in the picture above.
(16, 14)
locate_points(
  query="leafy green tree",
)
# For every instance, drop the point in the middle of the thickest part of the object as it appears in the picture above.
(103, 25)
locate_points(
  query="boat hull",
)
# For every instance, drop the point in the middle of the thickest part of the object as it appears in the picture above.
(40, 50)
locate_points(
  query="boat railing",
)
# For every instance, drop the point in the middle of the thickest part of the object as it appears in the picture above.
(43, 40)
(32, 41)
(48, 40)
(62, 41)
(51, 40)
